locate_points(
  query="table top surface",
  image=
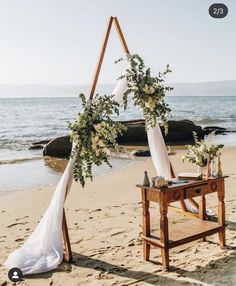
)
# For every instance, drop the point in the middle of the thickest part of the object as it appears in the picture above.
(189, 183)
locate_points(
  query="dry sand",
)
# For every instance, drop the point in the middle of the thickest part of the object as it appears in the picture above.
(105, 229)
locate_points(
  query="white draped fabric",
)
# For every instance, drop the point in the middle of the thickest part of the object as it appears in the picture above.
(43, 250)
(158, 152)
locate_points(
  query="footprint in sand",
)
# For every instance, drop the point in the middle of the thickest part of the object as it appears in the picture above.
(19, 239)
(116, 233)
(17, 223)
(75, 241)
(22, 217)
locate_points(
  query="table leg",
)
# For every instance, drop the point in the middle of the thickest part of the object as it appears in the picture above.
(146, 225)
(202, 210)
(164, 233)
(221, 213)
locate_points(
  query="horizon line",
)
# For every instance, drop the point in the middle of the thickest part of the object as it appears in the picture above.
(88, 84)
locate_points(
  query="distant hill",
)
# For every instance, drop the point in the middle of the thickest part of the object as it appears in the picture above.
(211, 88)
(214, 88)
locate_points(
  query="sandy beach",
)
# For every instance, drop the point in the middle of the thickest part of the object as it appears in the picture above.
(104, 222)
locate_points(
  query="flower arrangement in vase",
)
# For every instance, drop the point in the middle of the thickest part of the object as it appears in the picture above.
(203, 152)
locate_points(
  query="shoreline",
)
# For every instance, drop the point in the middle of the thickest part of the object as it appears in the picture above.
(54, 167)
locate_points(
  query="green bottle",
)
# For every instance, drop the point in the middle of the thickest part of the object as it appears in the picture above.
(146, 181)
(220, 173)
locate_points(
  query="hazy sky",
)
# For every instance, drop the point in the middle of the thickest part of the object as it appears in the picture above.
(58, 41)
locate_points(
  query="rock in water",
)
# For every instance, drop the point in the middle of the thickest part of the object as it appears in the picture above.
(36, 147)
(59, 147)
(180, 132)
(135, 133)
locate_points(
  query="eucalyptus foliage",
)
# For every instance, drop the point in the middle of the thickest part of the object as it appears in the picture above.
(93, 133)
(148, 92)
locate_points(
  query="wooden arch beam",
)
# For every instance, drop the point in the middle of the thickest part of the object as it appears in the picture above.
(103, 50)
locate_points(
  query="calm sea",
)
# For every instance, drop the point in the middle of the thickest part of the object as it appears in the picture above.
(27, 120)
(23, 121)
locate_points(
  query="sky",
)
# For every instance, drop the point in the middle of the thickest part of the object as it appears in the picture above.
(57, 42)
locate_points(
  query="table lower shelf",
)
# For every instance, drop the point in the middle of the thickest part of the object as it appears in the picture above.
(186, 232)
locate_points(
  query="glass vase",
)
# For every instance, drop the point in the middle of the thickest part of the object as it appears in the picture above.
(213, 169)
(208, 169)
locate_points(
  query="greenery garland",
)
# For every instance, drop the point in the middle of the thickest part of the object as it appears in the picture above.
(148, 92)
(93, 133)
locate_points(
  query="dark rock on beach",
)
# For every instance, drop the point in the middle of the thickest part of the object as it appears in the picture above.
(59, 147)
(180, 132)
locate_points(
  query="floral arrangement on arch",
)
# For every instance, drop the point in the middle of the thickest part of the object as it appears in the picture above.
(93, 133)
(202, 152)
(148, 92)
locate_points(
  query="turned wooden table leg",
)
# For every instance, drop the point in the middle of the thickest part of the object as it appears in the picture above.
(221, 214)
(146, 225)
(164, 232)
(202, 210)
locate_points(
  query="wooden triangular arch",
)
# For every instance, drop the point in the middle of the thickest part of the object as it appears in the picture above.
(104, 45)
(68, 252)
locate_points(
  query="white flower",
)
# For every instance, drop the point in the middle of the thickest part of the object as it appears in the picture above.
(160, 98)
(151, 103)
(101, 143)
(106, 150)
(148, 89)
(98, 127)
(95, 138)
(94, 146)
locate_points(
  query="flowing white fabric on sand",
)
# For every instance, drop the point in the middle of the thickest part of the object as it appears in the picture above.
(43, 250)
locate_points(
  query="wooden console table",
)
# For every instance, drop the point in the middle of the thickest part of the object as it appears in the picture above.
(173, 236)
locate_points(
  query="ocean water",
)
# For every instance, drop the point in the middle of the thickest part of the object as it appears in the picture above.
(27, 120)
